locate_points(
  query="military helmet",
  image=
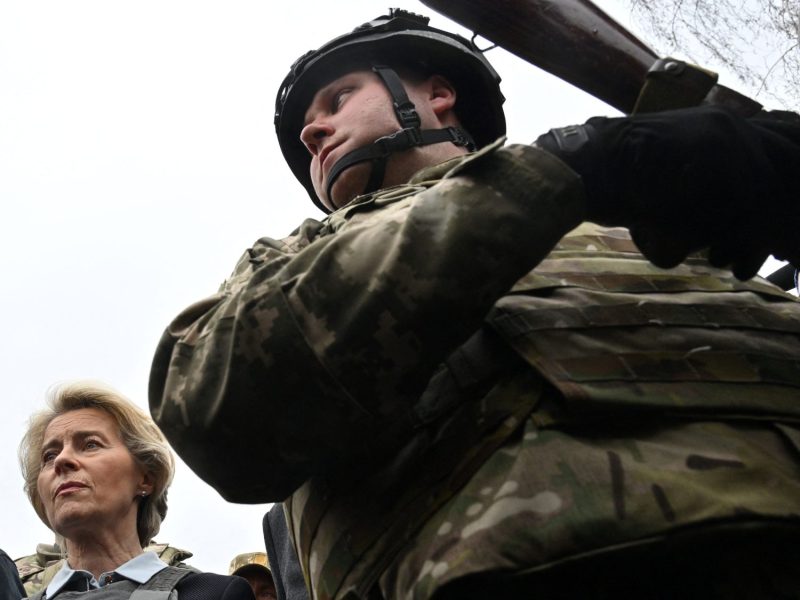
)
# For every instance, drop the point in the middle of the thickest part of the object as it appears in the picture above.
(400, 38)
(247, 561)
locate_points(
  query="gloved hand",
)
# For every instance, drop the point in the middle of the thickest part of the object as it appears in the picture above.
(690, 179)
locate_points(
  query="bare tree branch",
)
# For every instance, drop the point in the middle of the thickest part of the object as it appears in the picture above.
(757, 40)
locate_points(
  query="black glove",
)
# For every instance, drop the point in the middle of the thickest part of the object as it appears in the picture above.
(690, 179)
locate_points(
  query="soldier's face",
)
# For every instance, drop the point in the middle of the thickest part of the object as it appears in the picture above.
(89, 482)
(350, 112)
(262, 584)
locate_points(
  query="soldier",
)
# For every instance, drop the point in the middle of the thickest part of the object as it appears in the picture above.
(10, 585)
(254, 567)
(462, 386)
(36, 570)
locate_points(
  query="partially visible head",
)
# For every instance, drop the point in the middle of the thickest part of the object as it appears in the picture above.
(418, 54)
(254, 567)
(92, 405)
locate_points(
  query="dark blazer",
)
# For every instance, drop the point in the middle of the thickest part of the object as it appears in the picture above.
(283, 561)
(10, 585)
(210, 586)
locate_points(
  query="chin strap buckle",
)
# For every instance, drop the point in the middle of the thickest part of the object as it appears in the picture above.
(407, 114)
(461, 138)
(402, 139)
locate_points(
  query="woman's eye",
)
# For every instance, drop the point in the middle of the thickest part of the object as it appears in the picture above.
(48, 457)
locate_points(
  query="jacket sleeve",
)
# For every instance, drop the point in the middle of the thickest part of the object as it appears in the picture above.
(211, 586)
(318, 354)
(10, 585)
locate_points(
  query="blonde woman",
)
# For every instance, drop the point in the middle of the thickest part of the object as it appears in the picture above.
(96, 471)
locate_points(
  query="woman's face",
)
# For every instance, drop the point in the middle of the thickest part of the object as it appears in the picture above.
(89, 482)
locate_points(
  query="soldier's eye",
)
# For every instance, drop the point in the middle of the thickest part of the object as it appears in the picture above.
(339, 98)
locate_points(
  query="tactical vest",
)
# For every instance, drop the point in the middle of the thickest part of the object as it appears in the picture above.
(37, 570)
(614, 333)
(160, 586)
(607, 334)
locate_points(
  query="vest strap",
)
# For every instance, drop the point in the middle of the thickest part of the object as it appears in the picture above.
(161, 586)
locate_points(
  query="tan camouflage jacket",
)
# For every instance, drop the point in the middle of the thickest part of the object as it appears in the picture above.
(403, 349)
(36, 570)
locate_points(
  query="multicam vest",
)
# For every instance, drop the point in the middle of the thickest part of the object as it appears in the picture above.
(37, 570)
(612, 332)
(605, 333)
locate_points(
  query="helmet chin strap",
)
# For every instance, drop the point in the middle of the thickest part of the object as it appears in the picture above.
(408, 136)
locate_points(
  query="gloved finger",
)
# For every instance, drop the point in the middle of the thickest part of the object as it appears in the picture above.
(721, 254)
(790, 252)
(747, 267)
(661, 248)
(742, 254)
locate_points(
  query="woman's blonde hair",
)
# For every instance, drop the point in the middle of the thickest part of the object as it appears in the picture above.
(139, 433)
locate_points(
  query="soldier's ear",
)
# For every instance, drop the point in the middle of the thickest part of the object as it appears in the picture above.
(442, 94)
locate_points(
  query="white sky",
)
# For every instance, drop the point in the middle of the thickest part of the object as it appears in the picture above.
(137, 161)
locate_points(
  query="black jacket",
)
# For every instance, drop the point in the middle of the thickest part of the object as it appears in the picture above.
(10, 585)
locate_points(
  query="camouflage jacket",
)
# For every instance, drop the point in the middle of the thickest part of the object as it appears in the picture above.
(401, 369)
(36, 570)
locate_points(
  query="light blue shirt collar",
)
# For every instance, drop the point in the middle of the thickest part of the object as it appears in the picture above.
(139, 569)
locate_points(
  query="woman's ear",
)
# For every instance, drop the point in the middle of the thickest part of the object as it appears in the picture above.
(146, 484)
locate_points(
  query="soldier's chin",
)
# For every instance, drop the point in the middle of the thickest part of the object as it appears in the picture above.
(349, 185)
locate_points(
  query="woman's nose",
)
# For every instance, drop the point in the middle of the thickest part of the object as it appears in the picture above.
(64, 460)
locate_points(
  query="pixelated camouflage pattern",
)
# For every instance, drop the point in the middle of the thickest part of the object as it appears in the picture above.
(619, 344)
(37, 570)
(268, 344)
(355, 360)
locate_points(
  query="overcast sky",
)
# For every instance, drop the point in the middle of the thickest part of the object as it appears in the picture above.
(137, 162)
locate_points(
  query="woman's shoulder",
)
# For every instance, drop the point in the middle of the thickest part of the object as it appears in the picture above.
(213, 586)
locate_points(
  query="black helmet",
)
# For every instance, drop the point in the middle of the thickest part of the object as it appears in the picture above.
(381, 41)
